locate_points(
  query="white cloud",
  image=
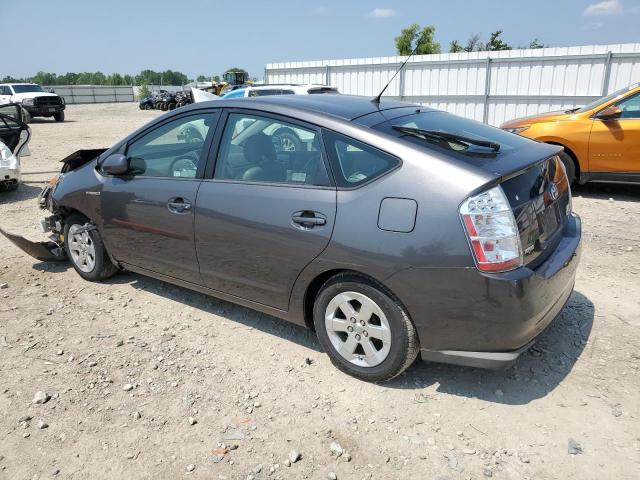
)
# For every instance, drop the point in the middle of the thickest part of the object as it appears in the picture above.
(606, 7)
(381, 13)
(320, 11)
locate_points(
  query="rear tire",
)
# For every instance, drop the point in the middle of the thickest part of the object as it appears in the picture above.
(86, 252)
(59, 116)
(378, 340)
(569, 167)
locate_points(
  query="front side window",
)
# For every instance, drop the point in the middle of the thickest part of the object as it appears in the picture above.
(262, 149)
(355, 162)
(173, 149)
(630, 107)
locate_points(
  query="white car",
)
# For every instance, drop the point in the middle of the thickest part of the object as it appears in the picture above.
(34, 100)
(284, 89)
(14, 139)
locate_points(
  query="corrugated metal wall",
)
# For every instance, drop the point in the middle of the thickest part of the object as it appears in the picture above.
(93, 93)
(104, 94)
(487, 86)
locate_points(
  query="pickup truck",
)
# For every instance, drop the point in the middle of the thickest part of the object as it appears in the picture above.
(34, 100)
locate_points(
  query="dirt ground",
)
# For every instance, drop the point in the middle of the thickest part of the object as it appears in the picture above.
(148, 380)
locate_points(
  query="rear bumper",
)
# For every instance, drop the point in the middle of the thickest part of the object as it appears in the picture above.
(494, 360)
(9, 177)
(487, 320)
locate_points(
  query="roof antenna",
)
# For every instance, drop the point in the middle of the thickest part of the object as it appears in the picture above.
(376, 100)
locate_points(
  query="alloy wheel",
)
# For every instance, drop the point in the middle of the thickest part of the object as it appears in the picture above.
(358, 329)
(82, 249)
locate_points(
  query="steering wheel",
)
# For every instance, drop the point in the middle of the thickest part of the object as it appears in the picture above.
(190, 134)
(183, 167)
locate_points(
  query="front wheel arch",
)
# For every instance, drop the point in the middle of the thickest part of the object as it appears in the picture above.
(573, 156)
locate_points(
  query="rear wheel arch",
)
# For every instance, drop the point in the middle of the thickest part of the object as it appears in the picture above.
(314, 287)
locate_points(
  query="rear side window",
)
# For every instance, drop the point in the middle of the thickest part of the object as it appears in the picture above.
(262, 149)
(354, 162)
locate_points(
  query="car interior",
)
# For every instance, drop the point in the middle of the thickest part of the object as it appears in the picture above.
(252, 150)
(10, 126)
(172, 150)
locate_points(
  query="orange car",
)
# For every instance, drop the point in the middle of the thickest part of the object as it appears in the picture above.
(601, 140)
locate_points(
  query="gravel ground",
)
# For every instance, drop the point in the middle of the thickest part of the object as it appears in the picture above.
(135, 378)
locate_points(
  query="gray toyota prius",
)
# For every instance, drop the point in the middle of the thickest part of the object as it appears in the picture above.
(393, 230)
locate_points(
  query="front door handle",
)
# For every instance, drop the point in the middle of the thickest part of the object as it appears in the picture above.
(178, 205)
(308, 219)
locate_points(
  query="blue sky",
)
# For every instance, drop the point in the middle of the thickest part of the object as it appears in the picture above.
(207, 37)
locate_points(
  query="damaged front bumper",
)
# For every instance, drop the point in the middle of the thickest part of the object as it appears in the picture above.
(51, 251)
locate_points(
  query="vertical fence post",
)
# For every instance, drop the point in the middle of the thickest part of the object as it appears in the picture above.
(327, 74)
(487, 90)
(401, 84)
(266, 75)
(607, 73)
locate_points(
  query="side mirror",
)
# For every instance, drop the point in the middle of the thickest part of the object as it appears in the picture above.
(116, 164)
(610, 113)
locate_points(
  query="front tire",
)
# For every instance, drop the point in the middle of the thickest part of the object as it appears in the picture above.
(59, 117)
(86, 250)
(365, 330)
(569, 167)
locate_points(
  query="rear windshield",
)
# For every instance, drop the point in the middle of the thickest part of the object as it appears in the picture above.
(447, 123)
(316, 90)
(27, 88)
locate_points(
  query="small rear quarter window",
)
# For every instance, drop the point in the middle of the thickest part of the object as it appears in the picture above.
(355, 163)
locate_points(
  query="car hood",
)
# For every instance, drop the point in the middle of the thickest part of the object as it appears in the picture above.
(18, 97)
(557, 116)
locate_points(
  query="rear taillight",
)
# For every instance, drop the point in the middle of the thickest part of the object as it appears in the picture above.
(492, 231)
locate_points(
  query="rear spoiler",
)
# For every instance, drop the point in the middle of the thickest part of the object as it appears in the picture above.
(80, 157)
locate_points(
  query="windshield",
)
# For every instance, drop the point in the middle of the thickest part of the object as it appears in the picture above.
(27, 88)
(447, 123)
(611, 96)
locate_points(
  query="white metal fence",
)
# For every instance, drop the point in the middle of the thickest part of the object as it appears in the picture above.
(104, 94)
(489, 86)
(93, 93)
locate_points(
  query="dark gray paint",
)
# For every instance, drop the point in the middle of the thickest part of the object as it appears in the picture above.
(250, 252)
(397, 214)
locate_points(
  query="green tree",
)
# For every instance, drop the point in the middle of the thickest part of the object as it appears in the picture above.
(473, 43)
(45, 78)
(495, 43)
(201, 78)
(413, 38)
(144, 91)
(455, 47)
(216, 78)
(535, 43)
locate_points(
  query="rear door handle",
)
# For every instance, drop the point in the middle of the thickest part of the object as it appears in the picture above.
(308, 219)
(178, 205)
